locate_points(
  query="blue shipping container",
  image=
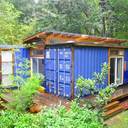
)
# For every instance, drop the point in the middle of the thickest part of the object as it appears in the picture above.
(126, 66)
(88, 60)
(20, 54)
(58, 70)
(61, 69)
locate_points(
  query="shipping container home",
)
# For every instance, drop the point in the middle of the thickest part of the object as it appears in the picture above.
(68, 56)
(10, 56)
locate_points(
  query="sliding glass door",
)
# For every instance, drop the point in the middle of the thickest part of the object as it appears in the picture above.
(116, 70)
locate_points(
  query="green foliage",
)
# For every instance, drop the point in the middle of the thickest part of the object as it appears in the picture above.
(62, 15)
(76, 117)
(120, 18)
(22, 72)
(70, 16)
(12, 31)
(87, 84)
(102, 95)
(22, 98)
(27, 86)
(99, 17)
(100, 77)
(90, 84)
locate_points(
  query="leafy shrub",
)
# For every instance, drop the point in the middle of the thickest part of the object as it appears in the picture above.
(22, 98)
(104, 95)
(22, 72)
(90, 85)
(76, 117)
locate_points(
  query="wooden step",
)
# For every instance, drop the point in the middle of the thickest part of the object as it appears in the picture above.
(111, 105)
(119, 97)
(113, 112)
(124, 104)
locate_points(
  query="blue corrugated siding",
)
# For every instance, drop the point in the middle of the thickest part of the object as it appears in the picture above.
(50, 70)
(58, 70)
(126, 64)
(20, 54)
(88, 60)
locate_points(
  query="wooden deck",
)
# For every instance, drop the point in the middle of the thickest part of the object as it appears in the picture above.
(51, 100)
(122, 91)
(118, 103)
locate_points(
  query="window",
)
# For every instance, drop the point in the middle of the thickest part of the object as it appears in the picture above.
(37, 52)
(7, 67)
(116, 52)
(37, 61)
(116, 66)
(116, 70)
(37, 65)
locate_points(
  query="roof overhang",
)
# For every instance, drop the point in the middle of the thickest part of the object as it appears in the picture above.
(76, 38)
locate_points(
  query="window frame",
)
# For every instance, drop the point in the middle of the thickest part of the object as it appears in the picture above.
(122, 74)
(12, 62)
(31, 61)
(38, 48)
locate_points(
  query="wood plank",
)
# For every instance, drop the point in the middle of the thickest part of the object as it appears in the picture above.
(111, 105)
(113, 112)
(119, 97)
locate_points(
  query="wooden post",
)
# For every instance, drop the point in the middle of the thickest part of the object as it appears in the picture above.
(72, 72)
(109, 65)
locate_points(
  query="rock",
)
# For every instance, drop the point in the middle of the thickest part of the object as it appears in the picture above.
(35, 108)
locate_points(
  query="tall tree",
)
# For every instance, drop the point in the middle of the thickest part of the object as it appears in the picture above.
(62, 15)
(11, 29)
(71, 16)
(99, 17)
(120, 24)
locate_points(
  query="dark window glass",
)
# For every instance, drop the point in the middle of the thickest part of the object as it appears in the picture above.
(37, 52)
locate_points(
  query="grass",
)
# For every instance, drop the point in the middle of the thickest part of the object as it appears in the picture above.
(118, 121)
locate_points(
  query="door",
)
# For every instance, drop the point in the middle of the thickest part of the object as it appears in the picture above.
(116, 70)
(58, 70)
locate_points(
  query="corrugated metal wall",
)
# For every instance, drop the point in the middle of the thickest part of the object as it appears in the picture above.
(58, 66)
(19, 55)
(58, 70)
(126, 66)
(88, 60)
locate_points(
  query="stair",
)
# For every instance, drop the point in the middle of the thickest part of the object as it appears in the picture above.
(113, 108)
(119, 97)
(113, 111)
(118, 103)
(111, 105)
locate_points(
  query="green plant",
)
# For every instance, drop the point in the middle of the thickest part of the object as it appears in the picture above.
(56, 117)
(104, 95)
(22, 98)
(87, 84)
(100, 78)
(90, 85)
(22, 72)
(12, 30)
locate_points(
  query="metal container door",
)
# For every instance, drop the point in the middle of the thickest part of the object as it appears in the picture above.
(64, 71)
